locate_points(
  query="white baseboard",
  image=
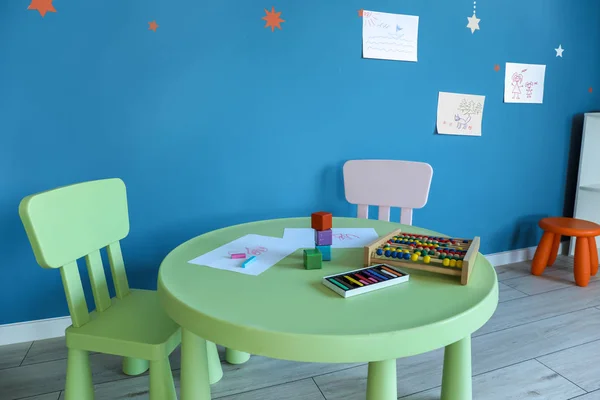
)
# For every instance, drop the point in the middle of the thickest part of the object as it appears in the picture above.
(519, 255)
(33, 330)
(55, 327)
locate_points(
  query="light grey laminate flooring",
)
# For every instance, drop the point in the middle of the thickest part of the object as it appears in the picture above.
(543, 342)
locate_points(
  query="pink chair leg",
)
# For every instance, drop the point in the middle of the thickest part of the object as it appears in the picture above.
(554, 251)
(542, 254)
(593, 256)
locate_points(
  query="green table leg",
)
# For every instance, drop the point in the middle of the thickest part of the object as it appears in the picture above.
(215, 371)
(194, 367)
(236, 357)
(381, 382)
(456, 381)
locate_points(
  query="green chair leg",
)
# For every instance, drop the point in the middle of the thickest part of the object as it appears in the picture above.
(381, 382)
(194, 367)
(162, 386)
(456, 381)
(135, 366)
(215, 371)
(236, 357)
(79, 376)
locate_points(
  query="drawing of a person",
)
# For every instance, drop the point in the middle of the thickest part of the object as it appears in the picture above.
(517, 81)
(529, 89)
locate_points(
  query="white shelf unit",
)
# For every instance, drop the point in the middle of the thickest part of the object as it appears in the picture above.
(587, 196)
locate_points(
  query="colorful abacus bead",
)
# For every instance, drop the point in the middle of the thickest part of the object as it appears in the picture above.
(379, 252)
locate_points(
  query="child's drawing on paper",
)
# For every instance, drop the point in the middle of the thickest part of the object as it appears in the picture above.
(524, 79)
(460, 114)
(517, 84)
(390, 36)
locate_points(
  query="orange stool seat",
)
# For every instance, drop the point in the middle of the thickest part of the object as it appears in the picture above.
(586, 253)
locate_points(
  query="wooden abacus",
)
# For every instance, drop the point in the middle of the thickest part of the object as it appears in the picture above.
(442, 255)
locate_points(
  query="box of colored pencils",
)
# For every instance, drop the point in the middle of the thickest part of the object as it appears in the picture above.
(365, 280)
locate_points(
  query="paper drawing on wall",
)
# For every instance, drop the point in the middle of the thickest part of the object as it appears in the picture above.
(273, 19)
(474, 21)
(390, 36)
(42, 6)
(460, 114)
(524, 83)
(152, 26)
(559, 51)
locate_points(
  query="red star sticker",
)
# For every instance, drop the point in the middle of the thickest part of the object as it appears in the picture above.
(496, 68)
(43, 6)
(590, 90)
(273, 19)
(361, 12)
(152, 26)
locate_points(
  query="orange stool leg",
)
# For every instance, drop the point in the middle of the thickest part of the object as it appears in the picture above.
(542, 254)
(582, 261)
(554, 250)
(593, 256)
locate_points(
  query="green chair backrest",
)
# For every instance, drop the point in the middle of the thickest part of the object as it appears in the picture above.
(71, 222)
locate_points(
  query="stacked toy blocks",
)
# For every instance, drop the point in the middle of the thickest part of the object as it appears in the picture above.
(321, 222)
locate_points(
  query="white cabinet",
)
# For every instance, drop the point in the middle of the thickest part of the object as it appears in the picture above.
(587, 196)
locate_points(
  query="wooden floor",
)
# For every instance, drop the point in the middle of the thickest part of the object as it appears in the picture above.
(542, 343)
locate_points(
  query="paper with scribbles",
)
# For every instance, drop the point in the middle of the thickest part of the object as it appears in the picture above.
(267, 250)
(390, 36)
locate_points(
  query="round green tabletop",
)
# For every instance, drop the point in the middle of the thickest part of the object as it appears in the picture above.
(287, 313)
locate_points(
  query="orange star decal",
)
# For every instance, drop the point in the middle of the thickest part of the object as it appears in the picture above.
(590, 90)
(496, 68)
(152, 26)
(361, 12)
(43, 6)
(273, 19)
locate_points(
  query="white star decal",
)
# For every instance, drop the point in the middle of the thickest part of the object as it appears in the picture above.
(559, 51)
(473, 23)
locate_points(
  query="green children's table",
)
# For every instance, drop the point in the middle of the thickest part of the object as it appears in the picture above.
(287, 313)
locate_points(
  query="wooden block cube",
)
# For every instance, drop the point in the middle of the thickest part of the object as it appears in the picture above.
(324, 238)
(312, 259)
(321, 221)
(325, 252)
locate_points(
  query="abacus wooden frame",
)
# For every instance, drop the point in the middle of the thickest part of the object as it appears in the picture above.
(465, 272)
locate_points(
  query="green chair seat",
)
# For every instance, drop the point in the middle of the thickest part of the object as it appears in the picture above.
(134, 326)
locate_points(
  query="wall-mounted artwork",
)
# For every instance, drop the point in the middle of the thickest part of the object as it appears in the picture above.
(460, 114)
(524, 83)
(390, 36)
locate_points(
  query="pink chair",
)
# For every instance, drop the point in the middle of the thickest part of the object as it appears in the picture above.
(386, 184)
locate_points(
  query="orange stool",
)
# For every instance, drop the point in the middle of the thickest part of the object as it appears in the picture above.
(586, 254)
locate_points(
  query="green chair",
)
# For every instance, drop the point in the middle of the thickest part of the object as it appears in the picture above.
(76, 221)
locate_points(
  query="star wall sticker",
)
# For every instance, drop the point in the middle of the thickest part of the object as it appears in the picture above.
(590, 89)
(559, 51)
(361, 12)
(42, 6)
(473, 23)
(273, 19)
(496, 67)
(152, 26)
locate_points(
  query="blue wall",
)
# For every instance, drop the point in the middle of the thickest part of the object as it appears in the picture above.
(214, 120)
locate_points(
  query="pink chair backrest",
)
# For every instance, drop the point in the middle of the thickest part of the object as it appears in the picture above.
(387, 183)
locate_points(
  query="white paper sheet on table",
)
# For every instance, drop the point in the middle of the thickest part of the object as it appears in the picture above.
(524, 83)
(390, 36)
(343, 238)
(460, 114)
(267, 249)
